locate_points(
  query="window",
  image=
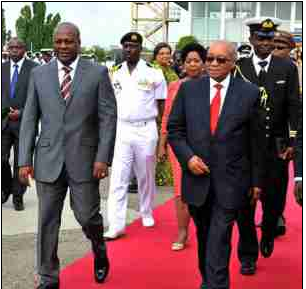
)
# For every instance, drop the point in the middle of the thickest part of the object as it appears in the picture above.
(283, 10)
(240, 9)
(299, 10)
(267, 9)
(198, 9)
(214, 9)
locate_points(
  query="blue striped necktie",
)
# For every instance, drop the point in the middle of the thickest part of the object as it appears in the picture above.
(14, 81)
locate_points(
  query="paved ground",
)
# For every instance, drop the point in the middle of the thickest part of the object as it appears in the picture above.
(19, 233)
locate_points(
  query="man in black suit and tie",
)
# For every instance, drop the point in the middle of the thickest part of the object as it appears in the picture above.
(214, 132)
(15, 79)
(278, 82)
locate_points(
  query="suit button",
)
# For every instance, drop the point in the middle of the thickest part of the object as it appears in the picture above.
(268, 117)
(268, 109)
(267, 135)
(267, 127)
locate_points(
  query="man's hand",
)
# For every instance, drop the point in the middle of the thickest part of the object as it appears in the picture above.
(100, 170)
(287, 154)
(298, 192)
(24, 173)
(254, 194)
(14, 114)
(197, 166)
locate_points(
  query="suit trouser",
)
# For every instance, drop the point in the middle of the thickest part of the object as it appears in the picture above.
(85, 203)
(214, 226)
(273, 199)
(134, 148)
(9, 139)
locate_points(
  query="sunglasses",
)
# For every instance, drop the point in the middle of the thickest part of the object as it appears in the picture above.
(219, 59)
(281, 47)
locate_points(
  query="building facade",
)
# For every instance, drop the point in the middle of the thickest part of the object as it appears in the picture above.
(225, 20)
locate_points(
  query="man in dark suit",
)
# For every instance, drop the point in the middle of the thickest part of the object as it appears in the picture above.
(14, 80)
(298, 161)
(278, 82)
(214, 133)
(75, 102)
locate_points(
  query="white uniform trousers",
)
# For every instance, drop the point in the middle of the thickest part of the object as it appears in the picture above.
(135, 148)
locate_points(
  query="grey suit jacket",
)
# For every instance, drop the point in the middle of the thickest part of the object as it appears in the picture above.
(76, 134)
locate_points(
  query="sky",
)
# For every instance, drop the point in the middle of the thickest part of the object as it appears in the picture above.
(100, 23)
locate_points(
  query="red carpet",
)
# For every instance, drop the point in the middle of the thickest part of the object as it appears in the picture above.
(143, 259)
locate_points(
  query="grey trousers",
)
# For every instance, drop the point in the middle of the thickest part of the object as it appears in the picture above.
(85, 203)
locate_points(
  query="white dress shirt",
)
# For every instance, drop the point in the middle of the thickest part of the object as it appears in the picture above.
(256, 60)
(61, 72)
(19, 63)
(137, 92)
(213, 90)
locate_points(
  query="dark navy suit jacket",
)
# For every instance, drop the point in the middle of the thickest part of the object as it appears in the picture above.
(233, 153)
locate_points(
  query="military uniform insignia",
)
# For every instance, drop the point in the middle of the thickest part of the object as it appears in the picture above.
(267, 24)
(145, 84)
(117, 87)
(134, 37)
(263, 96)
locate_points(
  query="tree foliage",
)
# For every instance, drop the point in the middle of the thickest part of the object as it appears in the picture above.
(97, 50)
(184, 40)
(36, 29)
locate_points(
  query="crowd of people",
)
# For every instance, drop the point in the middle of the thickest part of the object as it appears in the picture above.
(229, 126)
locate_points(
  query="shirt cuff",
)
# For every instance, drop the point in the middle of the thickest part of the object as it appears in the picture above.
(298, 179)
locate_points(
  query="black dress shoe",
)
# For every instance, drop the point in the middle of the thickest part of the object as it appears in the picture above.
(4, 197)
(281, 227)
(101, 263)
(18, 206)
(248, 268)
(266, 246)
(48, 286)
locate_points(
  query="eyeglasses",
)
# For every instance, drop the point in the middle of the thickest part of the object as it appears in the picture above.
(219, 59)
(281, 47)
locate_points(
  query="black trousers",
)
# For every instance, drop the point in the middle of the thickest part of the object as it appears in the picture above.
(9, 139)
(273, 202)
(6, 178)
(214, 226)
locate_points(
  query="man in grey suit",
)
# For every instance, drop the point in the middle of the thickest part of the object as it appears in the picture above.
(74, 100)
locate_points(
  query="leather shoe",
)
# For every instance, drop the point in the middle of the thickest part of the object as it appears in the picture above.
(248, 268)
(48, 286)
(281, 227)
(101, 263)
(4, 197)
(18, 206)
(266, 246)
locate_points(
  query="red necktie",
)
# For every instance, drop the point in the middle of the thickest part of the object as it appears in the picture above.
(215, 108)
(66, 84)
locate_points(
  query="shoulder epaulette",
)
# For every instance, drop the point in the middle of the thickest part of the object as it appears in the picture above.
(150, 65)
(115, 68)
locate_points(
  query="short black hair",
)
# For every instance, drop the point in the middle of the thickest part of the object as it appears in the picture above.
(159, 46)
(194, 47)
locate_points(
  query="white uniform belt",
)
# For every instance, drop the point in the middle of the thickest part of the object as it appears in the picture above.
(137, 123)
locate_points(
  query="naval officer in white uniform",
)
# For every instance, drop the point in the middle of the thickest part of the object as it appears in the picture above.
(139, 90)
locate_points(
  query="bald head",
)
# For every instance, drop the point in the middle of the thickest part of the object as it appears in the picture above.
(220, 60)
(16, 48)
(228, 46)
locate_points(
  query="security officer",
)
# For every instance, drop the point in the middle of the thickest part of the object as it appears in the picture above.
(139, 89)
(244, 50)
(278, 82)
(46, 55)
(283, 44)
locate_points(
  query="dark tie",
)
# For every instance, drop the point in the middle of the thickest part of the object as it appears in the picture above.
(14, 81)
(66, 83)
(215, 108)
(262, 73)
